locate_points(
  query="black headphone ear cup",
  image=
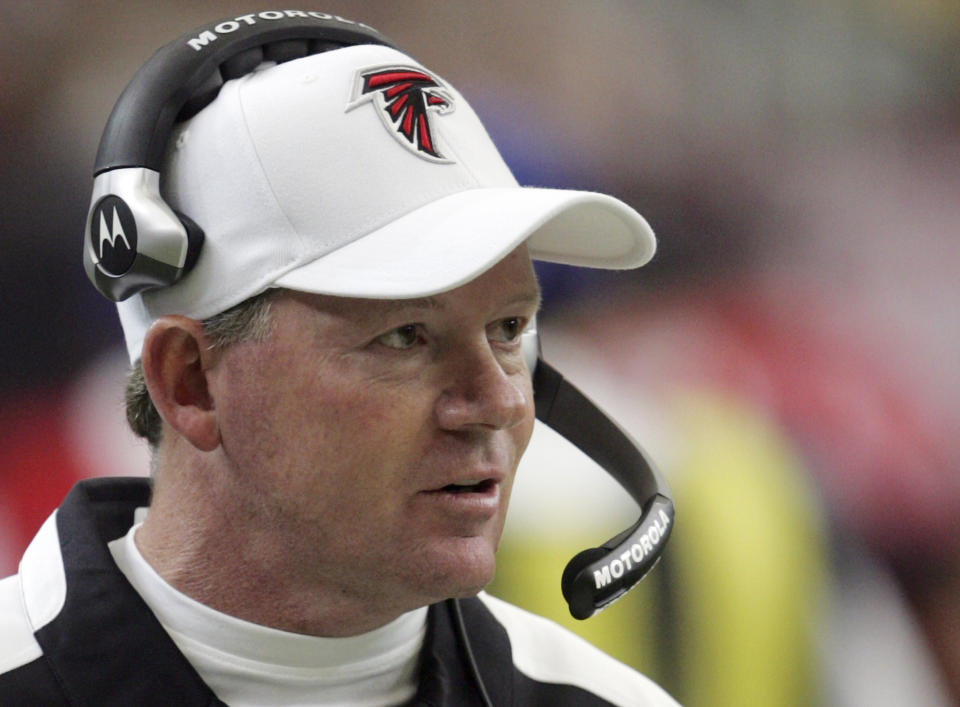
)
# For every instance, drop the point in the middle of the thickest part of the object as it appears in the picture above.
(195, 239)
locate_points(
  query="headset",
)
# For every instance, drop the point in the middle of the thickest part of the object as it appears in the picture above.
(162, 245)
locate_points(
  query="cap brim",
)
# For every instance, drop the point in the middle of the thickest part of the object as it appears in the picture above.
(452, 240)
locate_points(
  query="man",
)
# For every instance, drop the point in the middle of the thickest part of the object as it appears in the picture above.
(337, 399)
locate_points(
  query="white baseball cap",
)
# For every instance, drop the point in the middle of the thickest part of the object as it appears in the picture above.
(357, 172)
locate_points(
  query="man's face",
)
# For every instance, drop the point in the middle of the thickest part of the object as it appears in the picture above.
(379, 439)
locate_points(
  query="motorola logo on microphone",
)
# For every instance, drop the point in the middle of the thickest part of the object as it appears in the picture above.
(113, 235)
(645, 545)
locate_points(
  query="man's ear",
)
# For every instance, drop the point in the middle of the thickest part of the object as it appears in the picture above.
(175, 359)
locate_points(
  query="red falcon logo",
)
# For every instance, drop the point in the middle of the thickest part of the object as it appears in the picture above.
(405, 97)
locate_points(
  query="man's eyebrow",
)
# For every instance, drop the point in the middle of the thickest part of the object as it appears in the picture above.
(533, 296)
(527, 297)
(399, 305)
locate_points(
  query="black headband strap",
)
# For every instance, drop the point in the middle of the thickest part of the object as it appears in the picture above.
(139, 126)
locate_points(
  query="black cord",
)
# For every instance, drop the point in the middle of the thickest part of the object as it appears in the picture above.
(468, 650)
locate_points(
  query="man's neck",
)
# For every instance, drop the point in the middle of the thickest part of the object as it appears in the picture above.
(247, 664)
(207, 543)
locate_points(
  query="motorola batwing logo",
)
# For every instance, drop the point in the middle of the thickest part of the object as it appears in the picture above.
(113, 235)
(405, 98)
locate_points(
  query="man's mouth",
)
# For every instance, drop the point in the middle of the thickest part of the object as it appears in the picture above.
(478, 487)
(476, 498)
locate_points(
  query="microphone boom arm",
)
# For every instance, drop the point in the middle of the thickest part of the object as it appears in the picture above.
(597, 576)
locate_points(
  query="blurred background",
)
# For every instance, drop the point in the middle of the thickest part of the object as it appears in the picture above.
(788, 359)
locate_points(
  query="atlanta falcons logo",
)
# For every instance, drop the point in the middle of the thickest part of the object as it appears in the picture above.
(405, 96)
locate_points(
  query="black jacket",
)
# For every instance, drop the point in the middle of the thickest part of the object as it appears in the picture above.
(81, 635)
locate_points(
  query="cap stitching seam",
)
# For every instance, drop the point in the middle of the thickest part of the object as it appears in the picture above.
(263, 171)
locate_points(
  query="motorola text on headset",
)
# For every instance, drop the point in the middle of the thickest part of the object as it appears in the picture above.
(162, 246)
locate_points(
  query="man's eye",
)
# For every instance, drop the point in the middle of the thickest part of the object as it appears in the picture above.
(403, 337)
(507, 330)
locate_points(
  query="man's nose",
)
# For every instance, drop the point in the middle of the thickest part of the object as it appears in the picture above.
(480, 392)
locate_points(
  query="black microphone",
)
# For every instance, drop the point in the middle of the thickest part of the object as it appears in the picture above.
(598, 576)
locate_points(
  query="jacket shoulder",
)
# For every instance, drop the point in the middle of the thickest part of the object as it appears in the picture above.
(25, 677)
(546, 652)
(17, 644)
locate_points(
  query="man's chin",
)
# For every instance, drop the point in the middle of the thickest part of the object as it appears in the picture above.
(462, 568)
